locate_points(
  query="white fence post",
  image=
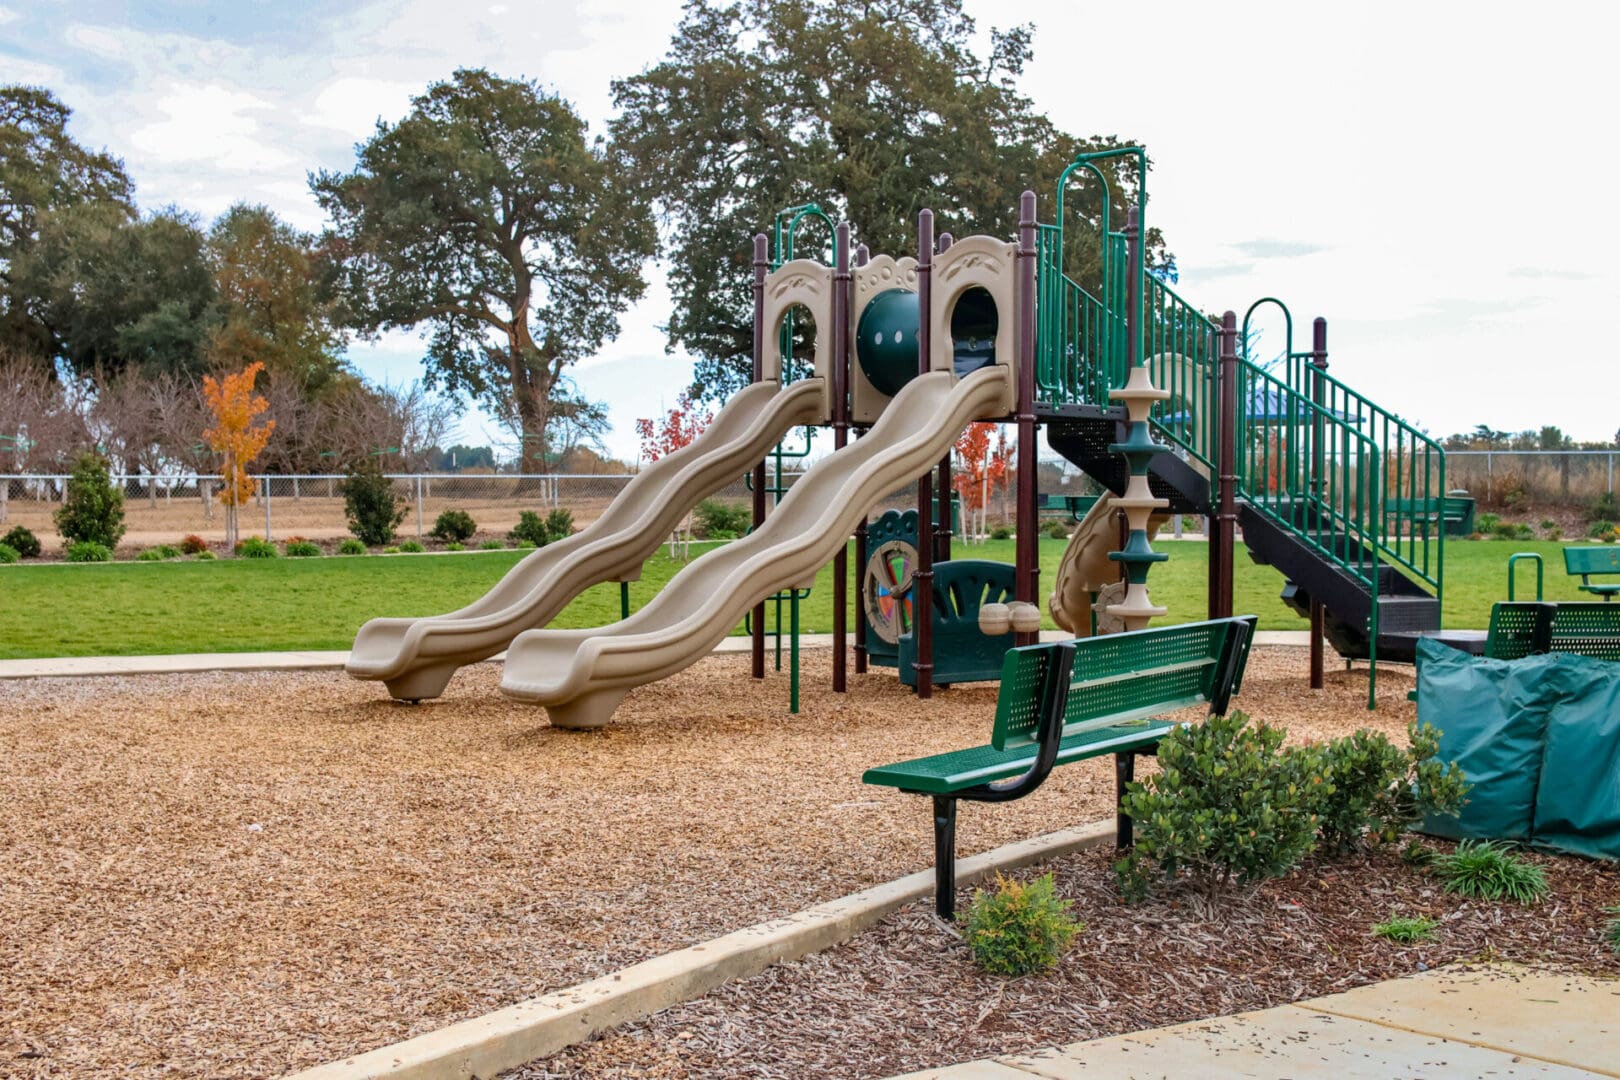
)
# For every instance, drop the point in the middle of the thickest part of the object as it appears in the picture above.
(265, 484)
(419, 508)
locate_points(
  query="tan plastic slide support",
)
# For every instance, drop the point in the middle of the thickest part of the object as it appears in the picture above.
(417, 657)
(1086, 568)
(580, 676)
(978, 262)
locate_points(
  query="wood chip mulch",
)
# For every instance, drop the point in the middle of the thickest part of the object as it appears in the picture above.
(906, 996)
(243, 874)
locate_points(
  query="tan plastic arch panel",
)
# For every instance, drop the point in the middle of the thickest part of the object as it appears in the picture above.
(880, 274)
(417, 657)
(808, 283)
(989, 264)
(580, 676)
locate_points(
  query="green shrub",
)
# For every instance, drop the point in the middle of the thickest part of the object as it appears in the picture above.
(391, 549)
(722, 515)
(1487, 523)
(1417, 853)
(1406, 931)
(1001, 532)
(454, 546)
(169, 551)
(21, 540)
(530, 529)
(1491, 872)
(1512, 530)
(1555, 533)
(206, 555)
(1548, 524)
(1603, 508)
(303, 549)
(1611, 928)
(88, 551)
(559, 524)
(491, 545)
(722, 534)
(150, 555)
(351, 546)
(1056, 530)
(1376, 788)
(524, 545)
(1017, 929)
(9, 554)
(1597, 529)
(455, 526)
(256, 548)
(94, 508)
(412, 547)
(1228, 804)
(373, 509)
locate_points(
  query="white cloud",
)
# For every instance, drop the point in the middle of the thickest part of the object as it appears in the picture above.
(210, 123)
(353, 105)
(97, 40)
(8, 16)
(16, 71)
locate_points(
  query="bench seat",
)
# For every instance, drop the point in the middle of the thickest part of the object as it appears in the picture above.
(942, 774)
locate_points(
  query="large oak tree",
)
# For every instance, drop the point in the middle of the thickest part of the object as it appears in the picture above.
(487, 216)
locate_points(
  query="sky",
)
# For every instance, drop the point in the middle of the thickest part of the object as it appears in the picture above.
(1435, 179)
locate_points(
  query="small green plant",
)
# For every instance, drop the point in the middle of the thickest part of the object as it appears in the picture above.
(1378, 790)
(192, 544)
(302, 549)
(559, 524)
(1408, 930)
(455, 546)
(1611, 928)
(9, 554)
(1596, 530)
(1603, 508)
(1487, 523)
(93, 509)
(1001, 532)
(412, 547)
(1228, 804)
(88, 551)
(1490, 871)
(1548, 524)
(149, 555)
(1017, 929)
(1555, 533)
(1417, 853)
(391, 549)
(373, 508)
(524, 545)
(255, 547)
(491, 545)
(530, 529)
(21, 540)
(722, 534)
(1055, 530)
(455, 526)
(721, 515)
(351, 546)
(206, 555)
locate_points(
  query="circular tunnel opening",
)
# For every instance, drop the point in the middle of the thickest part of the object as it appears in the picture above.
(973, 331)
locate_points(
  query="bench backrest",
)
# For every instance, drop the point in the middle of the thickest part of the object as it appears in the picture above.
(1525, 629)
(1591, 560)
(1117, 678)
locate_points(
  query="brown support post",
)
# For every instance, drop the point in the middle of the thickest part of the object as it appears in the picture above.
(1223, 537)
(922, 581)
(762, 265)
(1318, 366)
(862, 256)
(942, 530)
(842, 282)
(1027, 571)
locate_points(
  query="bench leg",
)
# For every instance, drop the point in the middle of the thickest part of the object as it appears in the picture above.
(945, 857)
(1124, 773)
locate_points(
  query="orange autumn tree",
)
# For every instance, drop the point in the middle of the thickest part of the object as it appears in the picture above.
(682, 424)
(979, 471)
(235, 438)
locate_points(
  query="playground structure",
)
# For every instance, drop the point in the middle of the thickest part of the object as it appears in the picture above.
(1136, 387)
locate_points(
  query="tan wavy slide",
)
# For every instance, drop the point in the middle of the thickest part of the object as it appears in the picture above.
(417, 657)
(580, 676)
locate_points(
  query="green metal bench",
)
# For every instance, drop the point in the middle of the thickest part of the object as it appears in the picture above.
(1454, 513)
(1528, 629)
(1068, 701)
(1587, 561)
(1065, 506)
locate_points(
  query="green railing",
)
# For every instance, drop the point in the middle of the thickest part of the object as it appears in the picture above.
(1081, 339)
(1180, 345)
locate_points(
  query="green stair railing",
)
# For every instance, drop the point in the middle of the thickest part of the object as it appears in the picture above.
(1080, 338)
(1180, 345)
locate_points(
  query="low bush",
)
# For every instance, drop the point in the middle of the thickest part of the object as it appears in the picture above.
(94, 508)
(149, 555)
(351, 546)
(559, 524)
(9, 554)
(455, 526)
(373, 508)
(1056, 530)
(412, 547)
(1603, 508)
(722, 515)
(1598, 528)
(455, 546)
(392, 549)
(1001, 532)
(256, 548)
(21, 540)
(1487, 523)
(205, 555)
(491, 545)
(1406, 931)
(722, 534)
(530, 529)
(1512, 530)
(1376, 789)
(302, 549)
(1228, 805)
(1548, 524)
(1491, 872)
(1017, 929)
(89, 551)
(192, 544)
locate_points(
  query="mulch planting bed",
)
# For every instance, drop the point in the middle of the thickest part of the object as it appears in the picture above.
(239, 875)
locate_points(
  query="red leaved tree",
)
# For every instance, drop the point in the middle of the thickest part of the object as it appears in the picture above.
(235, 437)
(980, 470)
(678, 428)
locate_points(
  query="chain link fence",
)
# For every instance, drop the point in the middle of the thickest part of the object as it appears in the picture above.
(1509, 478)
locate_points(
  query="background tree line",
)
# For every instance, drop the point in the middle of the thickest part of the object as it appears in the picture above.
(489, 218)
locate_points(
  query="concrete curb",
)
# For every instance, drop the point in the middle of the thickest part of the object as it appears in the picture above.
(509, 1037)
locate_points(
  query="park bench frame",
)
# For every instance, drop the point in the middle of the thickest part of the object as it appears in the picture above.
(1526, 628)
(1454, 514)
(1589, 560)
(1068, 701)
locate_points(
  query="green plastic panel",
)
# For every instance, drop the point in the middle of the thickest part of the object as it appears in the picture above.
(963, 653)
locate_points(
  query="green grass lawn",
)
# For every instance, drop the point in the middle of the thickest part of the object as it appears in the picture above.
(250, 604)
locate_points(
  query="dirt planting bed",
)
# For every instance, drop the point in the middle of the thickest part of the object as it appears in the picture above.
(237, 875)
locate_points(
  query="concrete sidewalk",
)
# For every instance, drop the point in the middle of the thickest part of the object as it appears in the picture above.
(181, 663)
(1500, 1021)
